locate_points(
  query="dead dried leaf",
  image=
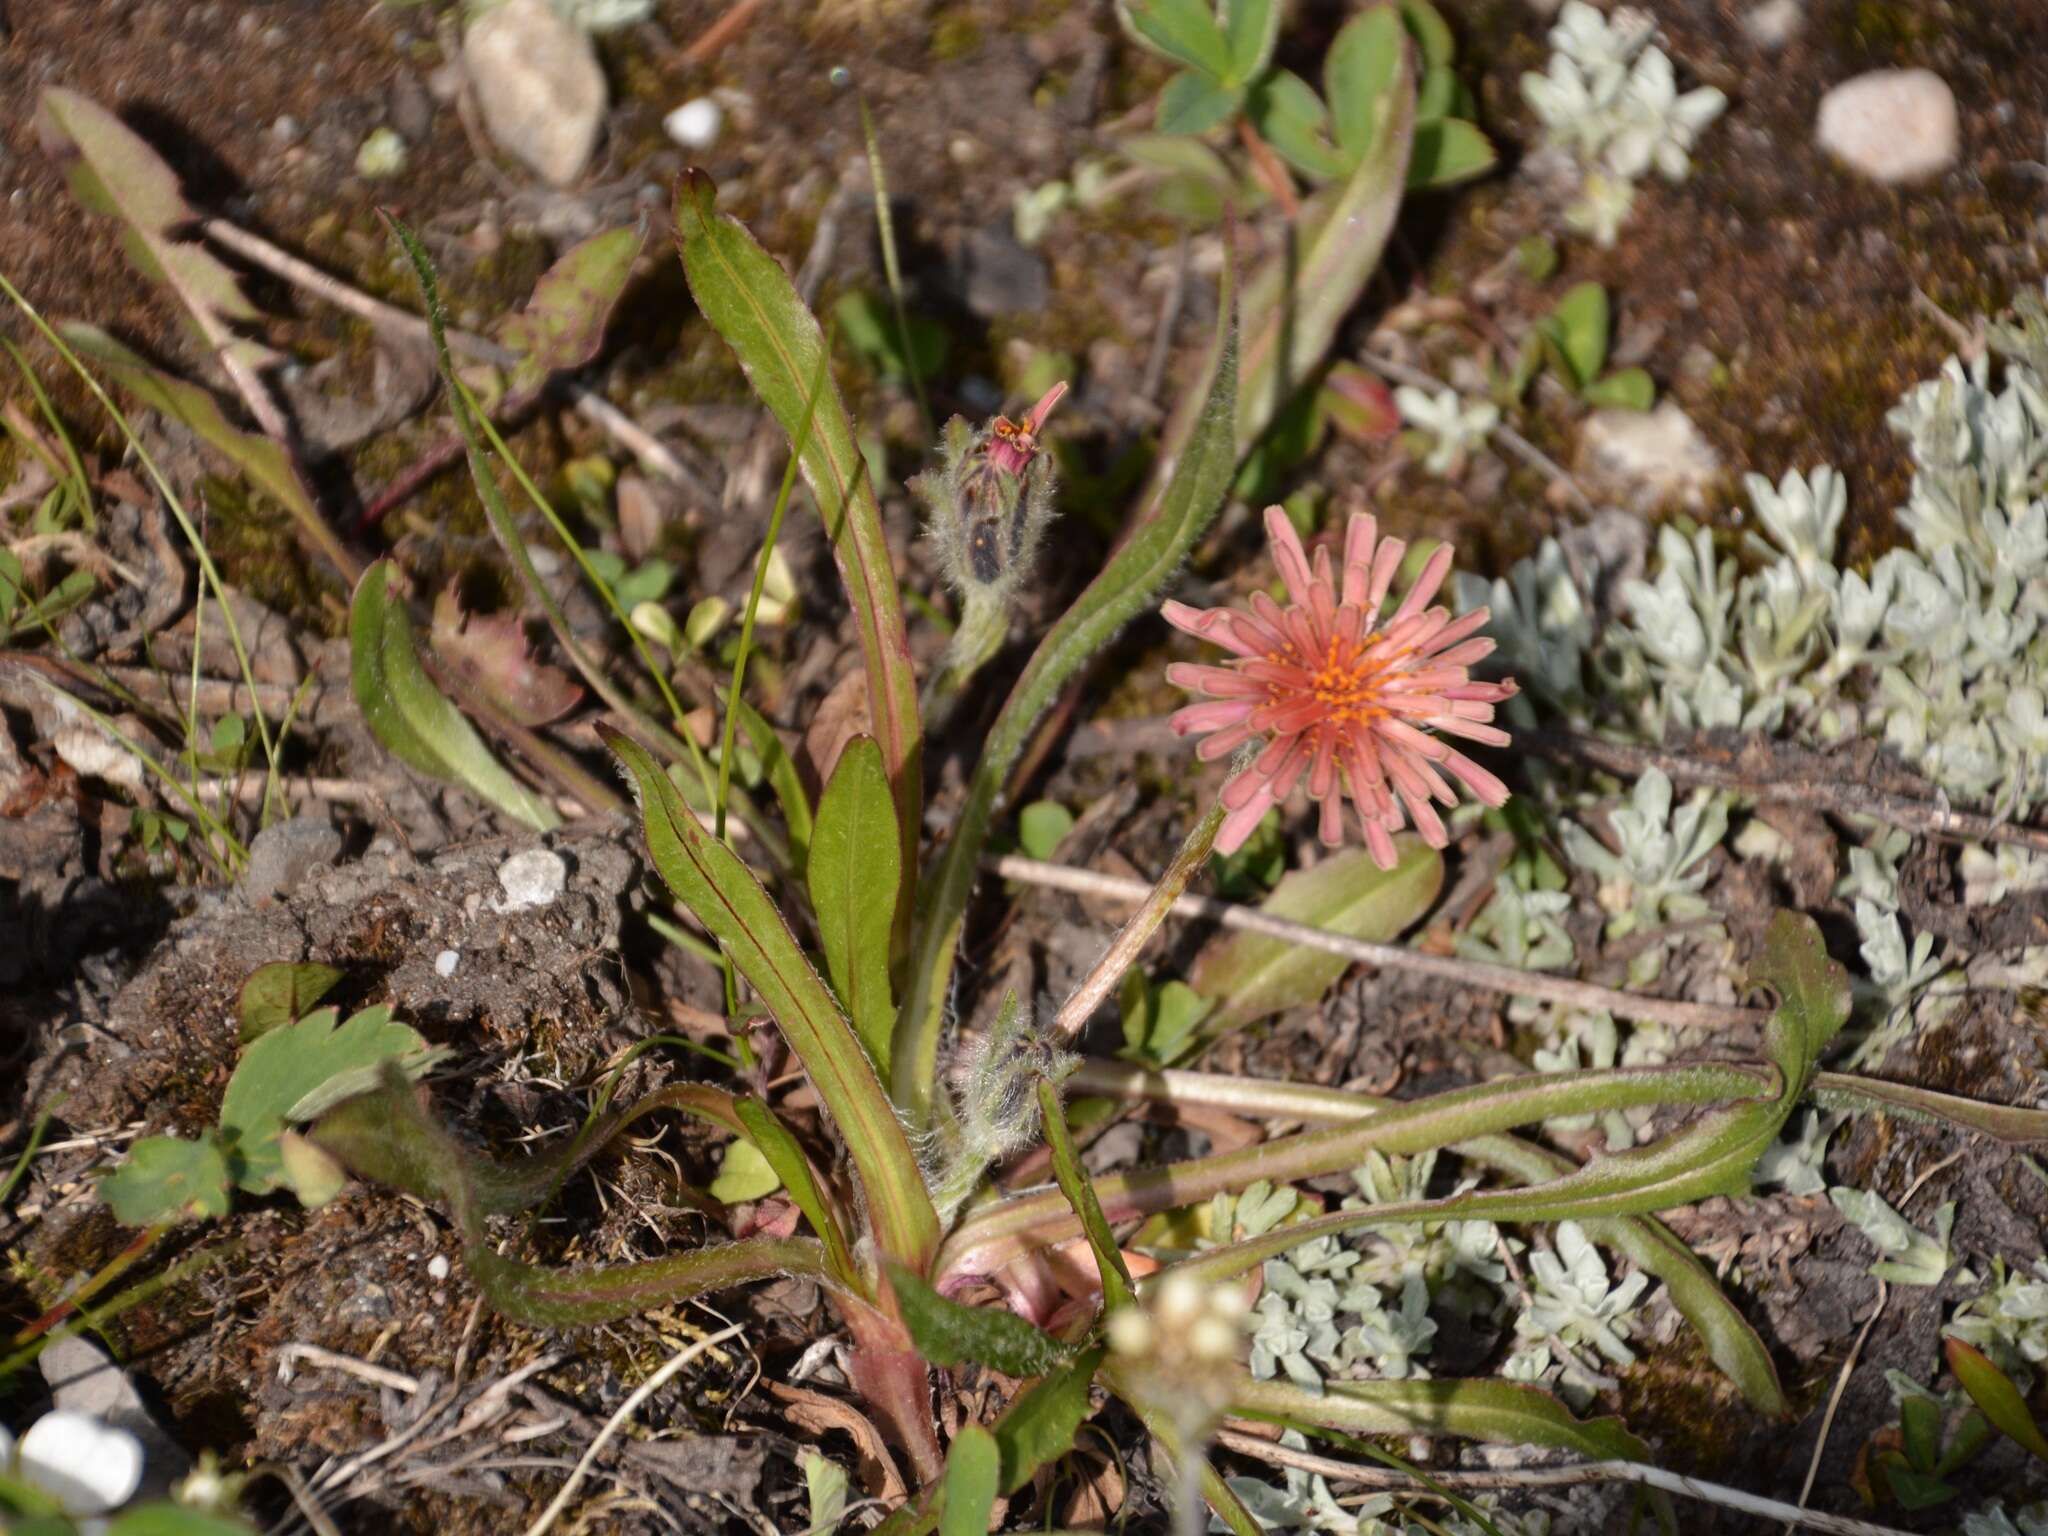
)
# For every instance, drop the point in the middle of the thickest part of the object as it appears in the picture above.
(490, 652)
(816, 1414)
(842, 716)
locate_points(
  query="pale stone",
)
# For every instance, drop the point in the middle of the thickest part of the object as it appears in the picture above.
(695, 124)
(1892, 125)
(1648, 459)
(1774, 23)
(532, 879)
(538, 86)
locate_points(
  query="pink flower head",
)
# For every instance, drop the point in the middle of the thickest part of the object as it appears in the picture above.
(1012, 445)
(1341, 696)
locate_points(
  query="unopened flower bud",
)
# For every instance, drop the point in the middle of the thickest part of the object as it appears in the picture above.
(990, 499)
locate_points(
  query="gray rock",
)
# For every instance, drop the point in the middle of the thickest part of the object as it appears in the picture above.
(532, 879)
(410, 107)
(1648, 459)
(1891, 125)
(1000, 276)
(283, 854)
(538, 86)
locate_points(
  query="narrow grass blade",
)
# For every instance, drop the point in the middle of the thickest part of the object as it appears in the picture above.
(1148, 557)
(722, 892)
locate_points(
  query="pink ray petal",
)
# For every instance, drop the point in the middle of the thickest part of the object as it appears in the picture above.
(1434, 569)
(1240, 823)
(1198, 718)
(1289, 555)
(1359, 535)
(1485, 788)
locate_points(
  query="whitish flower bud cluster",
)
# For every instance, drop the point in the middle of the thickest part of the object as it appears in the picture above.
(1184, 1323)
(1610, 98)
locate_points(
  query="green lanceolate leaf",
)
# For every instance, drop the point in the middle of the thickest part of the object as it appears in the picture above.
(748, 297)
(772, 1138)
(1995, 1396)
(1040, 1424)
(1149, 556)
(1079, 1194)
(710, 880)
(973, 1467)
(410, 716)
(947, 1333)
(281, 992)
(1501, 1412)
(1580, 332)
(854, 872)
(562, 324)
(167, 1178)
(388, 1135)
(282, 1077)
(1249, 975)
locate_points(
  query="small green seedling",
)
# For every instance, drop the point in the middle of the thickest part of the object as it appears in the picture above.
(1572, 341)
(295, 1065)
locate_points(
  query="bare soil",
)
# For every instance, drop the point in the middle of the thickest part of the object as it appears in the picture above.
(1774, 296)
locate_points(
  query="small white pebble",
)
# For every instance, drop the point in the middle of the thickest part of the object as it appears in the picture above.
(437, 1267)
(532, 879)
(445, 962)
(695, 124)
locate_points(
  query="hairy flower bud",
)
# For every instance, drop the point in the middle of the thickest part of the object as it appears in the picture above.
(991, 499)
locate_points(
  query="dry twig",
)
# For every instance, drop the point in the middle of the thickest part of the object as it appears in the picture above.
(1391, 957)
(1834, 796)
(1555, 1477)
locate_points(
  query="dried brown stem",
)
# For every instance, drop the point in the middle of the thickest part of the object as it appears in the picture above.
(1392, 957)
(1635, 1472)
(652, 453)
(1835, 797)
(1135, 934)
